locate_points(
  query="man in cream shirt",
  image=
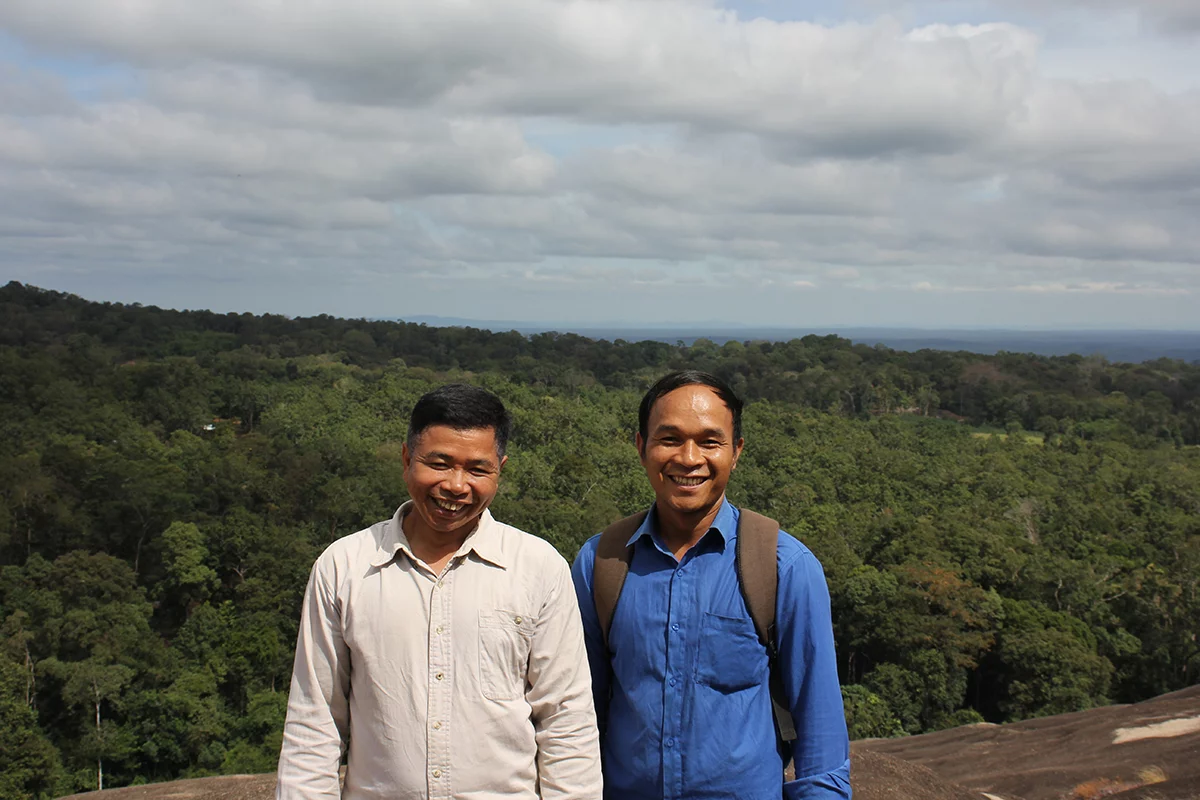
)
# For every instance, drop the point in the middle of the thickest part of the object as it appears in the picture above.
(441, 650)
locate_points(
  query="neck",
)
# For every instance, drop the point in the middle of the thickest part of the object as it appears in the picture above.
(434, 547)
(680, 531)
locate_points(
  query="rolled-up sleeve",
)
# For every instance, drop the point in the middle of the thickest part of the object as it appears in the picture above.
(315, 733)
(821, 751)
(560, 694)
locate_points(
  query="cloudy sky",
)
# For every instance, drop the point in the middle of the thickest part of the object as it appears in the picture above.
(1012, 163)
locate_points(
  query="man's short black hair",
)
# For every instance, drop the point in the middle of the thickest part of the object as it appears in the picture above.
(689, 377)
(464, 408)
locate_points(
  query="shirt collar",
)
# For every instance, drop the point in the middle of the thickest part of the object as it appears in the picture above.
(725, 524)
(485, 541)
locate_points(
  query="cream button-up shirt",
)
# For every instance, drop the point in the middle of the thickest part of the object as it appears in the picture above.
(469, 684)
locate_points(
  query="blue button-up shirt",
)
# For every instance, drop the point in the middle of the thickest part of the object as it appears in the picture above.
(685, 709)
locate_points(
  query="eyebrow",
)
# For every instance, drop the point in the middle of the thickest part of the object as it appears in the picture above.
(710, 432)
(478, 462)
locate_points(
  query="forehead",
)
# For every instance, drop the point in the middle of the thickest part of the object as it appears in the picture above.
(691, 406)
(467, 443)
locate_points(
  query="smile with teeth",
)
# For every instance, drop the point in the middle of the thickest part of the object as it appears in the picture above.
(687, 480)
(447, 505)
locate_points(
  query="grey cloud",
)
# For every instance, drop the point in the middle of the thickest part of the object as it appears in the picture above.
(857, 91)
(372, 139)
(471, 156)
(25, 92)
(719, 180)
(1169, 16)
(848, 90)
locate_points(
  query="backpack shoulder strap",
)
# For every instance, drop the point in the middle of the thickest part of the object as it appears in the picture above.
(758, 578)
(613, 555)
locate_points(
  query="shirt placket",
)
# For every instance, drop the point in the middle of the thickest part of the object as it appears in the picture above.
(675, 681)
(441, 686)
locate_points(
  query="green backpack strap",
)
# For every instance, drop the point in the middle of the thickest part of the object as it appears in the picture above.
(758, 578)
(613, 555)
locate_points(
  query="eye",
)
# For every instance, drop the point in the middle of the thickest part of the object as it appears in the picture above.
(480, 472)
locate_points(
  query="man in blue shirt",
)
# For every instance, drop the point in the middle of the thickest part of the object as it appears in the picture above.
(682, 688)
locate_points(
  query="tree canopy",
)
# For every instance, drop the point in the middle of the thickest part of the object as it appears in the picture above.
(1004, 536)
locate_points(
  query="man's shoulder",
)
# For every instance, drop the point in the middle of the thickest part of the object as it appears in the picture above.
(589, 547)
(789, 546)
(797, 565)
(789, 551)
(360, 547)
(527, 548)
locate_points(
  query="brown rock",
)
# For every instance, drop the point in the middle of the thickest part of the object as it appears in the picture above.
(1053, 757)
(225, 787)
(1147, 751)
(877, 776)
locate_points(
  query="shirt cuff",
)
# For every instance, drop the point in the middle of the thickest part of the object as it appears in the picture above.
(832, 785)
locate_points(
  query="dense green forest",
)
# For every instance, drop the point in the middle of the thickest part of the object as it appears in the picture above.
(1004, 536)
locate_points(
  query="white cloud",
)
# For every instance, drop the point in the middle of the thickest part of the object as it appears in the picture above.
(1092, 287)
(277, 140)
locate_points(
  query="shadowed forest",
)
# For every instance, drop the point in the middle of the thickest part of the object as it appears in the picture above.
(1004, 536)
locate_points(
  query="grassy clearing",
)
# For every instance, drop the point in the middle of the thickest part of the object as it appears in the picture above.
(1030, 437)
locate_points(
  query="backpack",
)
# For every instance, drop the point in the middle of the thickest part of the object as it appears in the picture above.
(758, 579)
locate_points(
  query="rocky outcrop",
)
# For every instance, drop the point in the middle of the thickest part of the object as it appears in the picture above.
(1147, 751)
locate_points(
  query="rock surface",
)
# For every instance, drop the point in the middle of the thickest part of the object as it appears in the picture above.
(225, 787)
(1147, 751)
(877, 776)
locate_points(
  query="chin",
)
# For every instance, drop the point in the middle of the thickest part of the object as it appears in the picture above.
(436, 523)
(689, 505)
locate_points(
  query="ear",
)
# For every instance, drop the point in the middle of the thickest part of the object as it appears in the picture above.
(640, 443)
(737, 451)
(405, 455)
(503, 461)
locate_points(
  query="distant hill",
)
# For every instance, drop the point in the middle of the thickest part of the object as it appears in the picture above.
(1148, 750)
(1132, 346)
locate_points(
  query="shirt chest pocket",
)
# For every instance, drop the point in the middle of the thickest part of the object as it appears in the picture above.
(504, 641)
(731, 658)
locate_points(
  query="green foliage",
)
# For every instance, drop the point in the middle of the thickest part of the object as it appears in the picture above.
(30, 769)
(189, 579)
(1048, 662)
(868, 715)
(167, 479)
(902, 693)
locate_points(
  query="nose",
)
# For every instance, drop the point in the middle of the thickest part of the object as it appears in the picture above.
(689, 454)
(456, 482)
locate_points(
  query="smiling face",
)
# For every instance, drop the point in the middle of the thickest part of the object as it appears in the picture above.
(452, 476)
(689, 451)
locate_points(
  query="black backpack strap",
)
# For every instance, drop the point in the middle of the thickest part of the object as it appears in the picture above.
(613, 555)
(758, 578)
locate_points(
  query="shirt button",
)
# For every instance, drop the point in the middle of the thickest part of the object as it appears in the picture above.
(675, 626)
(438, 629)
(437, 726)
(439, 584)
(437, 773)
(672, 681)
(439, 676)
(518, 620)
(669, 743)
